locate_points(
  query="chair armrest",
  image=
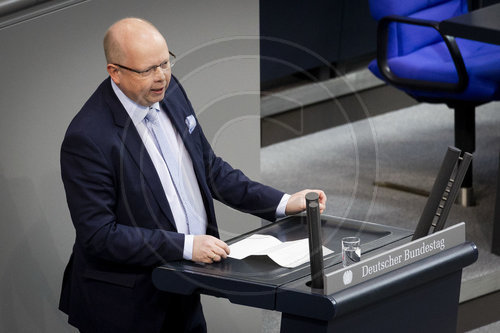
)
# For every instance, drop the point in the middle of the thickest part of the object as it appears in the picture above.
(388, 74)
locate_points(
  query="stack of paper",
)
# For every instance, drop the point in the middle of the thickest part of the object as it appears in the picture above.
(287, 254)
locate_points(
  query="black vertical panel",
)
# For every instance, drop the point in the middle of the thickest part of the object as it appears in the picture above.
(297, 36)
(358, 31)
(481, 3)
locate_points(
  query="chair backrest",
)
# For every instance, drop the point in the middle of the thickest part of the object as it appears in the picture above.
(404, 38)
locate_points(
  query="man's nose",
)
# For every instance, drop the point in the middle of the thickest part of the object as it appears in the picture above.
(159, 74)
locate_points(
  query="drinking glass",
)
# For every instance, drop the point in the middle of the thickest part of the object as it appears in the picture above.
(351, 251)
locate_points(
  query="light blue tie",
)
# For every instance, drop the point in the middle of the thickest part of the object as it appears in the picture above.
(194, 226)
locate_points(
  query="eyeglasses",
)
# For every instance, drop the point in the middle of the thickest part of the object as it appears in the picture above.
(166, 65)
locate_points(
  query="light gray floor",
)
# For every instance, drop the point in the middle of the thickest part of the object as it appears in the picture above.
(491, 328)
(407, 147)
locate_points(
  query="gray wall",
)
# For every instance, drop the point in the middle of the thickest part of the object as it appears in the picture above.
(50, 65)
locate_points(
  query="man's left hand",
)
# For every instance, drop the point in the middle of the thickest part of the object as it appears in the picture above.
(297, 202)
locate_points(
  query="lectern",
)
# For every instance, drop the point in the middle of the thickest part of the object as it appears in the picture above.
(415, 297)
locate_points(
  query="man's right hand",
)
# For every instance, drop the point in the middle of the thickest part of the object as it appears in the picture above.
(209, 249)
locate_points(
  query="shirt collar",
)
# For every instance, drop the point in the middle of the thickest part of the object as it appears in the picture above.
(156, 106)
(136, 111)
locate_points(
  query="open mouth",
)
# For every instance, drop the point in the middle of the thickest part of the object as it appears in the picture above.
(157, 90)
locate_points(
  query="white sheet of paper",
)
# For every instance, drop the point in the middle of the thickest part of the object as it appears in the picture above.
(286, 254)
(254, 244)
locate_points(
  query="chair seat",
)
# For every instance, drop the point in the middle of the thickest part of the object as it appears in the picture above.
(433, 63)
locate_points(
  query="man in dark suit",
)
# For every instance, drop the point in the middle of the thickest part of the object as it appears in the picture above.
(131, 212)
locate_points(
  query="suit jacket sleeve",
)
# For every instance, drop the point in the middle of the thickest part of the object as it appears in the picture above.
(231, 186)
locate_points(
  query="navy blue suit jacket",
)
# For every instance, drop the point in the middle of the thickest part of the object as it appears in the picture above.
(123, 222)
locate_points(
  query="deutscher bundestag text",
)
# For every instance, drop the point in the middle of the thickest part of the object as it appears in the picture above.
(408, 254)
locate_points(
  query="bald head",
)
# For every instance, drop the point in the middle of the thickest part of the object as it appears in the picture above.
(138, 60)
(124, 36)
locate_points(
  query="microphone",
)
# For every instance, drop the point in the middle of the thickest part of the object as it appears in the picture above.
(315, 240)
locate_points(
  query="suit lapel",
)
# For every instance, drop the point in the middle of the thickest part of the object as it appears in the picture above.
(133, 144)
(177, 116)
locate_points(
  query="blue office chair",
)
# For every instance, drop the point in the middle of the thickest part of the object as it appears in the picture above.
(414, 56)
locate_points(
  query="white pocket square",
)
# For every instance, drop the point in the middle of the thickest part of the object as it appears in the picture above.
(191, 123)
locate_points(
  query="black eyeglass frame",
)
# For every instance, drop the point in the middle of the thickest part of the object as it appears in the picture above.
(151, 69)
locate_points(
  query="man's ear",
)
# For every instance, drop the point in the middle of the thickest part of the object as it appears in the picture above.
(113, 72)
